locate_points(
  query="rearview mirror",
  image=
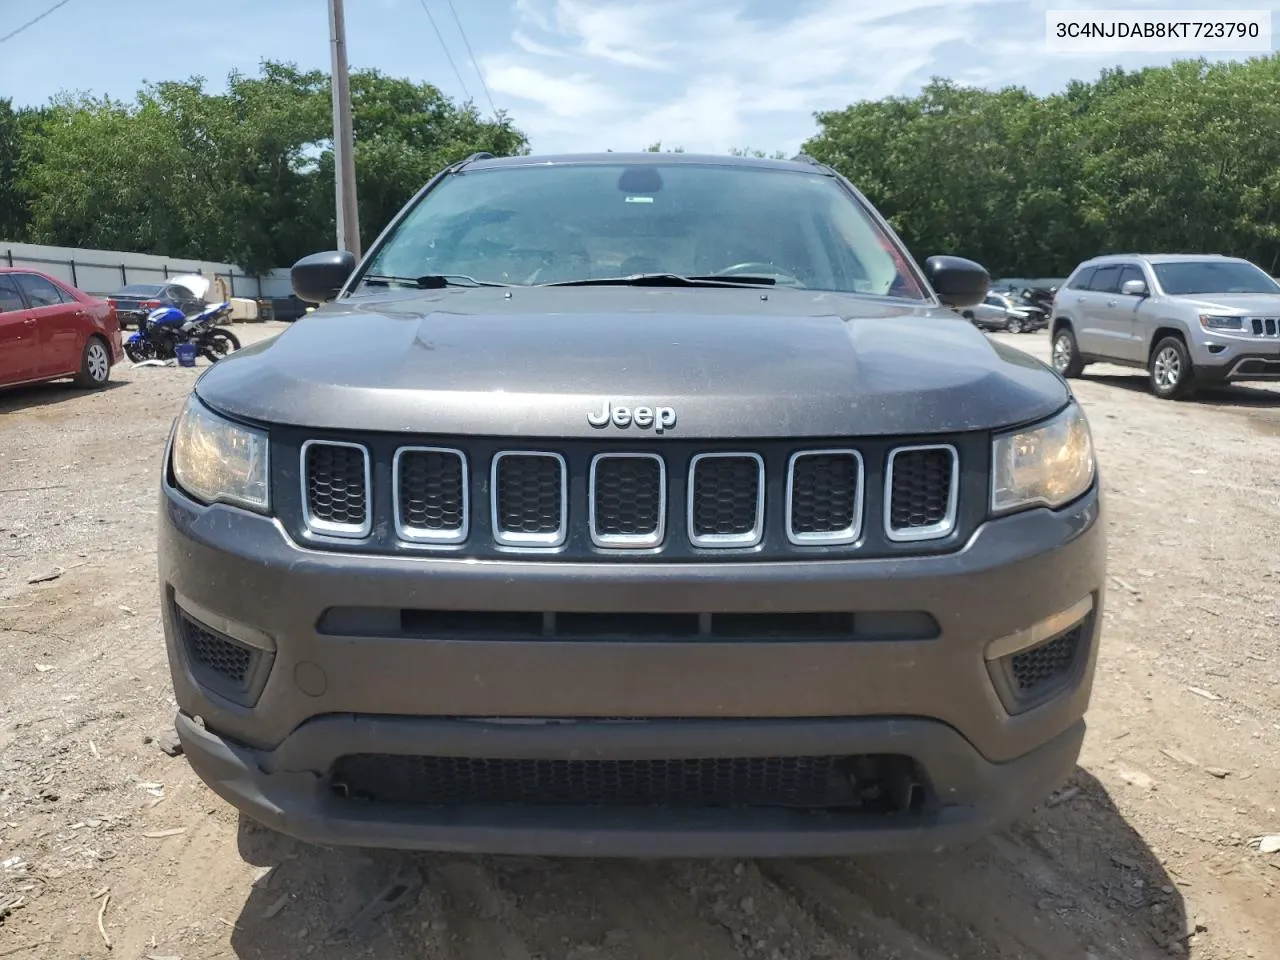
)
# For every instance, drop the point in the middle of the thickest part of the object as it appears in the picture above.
(957, 282)
(318, 278)
(1134, 288)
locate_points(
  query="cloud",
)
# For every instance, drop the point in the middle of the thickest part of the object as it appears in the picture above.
(704, 74)
(576, 95)
(712, 74)
(529, 45)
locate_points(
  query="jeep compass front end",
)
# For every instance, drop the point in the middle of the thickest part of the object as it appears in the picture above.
(632, 505)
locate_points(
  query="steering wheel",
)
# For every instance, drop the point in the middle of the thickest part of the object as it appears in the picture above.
(757, 267)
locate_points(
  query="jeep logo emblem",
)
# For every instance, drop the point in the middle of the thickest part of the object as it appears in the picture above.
(660, 418)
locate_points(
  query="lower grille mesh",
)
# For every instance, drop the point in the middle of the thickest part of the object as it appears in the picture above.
(1033, 669)
(873, 783)
(222, 656)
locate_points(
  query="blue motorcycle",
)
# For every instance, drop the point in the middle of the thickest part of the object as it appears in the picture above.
(161, 331)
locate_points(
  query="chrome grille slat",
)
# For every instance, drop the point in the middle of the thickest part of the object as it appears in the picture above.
(828, 514)
(334, 487)
(911, 506)
(431, 495)
(614, 523)
(526, 498)
(716, 524)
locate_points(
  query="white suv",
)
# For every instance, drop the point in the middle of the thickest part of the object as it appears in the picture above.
(1187, 319)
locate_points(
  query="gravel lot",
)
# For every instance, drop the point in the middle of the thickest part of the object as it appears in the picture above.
(1150, 852)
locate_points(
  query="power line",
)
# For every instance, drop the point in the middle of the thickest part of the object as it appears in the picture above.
(440, 37)
(33, 22)
(467, 44)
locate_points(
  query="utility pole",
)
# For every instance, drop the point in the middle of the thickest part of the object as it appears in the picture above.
(344, 164)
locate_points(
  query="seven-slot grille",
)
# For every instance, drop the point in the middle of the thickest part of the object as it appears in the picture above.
(1265, 326)
(722, 499)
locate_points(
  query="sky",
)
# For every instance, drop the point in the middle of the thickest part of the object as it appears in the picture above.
(575, 75)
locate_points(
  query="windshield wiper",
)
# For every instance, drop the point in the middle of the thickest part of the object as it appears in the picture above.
(431, 281)
(664, 280)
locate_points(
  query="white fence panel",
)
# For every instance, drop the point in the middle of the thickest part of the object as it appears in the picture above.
(100, 272)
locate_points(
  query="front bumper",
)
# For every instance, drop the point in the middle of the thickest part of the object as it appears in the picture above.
(280, 788)
(1225, 359)
(324, 695)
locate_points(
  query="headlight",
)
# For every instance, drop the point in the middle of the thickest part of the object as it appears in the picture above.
(1048, 464)
(1213, 322)
(217, 460)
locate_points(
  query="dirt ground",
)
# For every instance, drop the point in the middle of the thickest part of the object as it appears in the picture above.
(1150, 852)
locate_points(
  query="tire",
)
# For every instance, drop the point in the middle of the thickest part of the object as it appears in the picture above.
(95, 365)
(1065, 353)
(1014, 325)
(1169, 370)
(218, 344)
(137, 352)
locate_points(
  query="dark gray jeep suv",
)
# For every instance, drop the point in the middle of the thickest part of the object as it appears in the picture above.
(632, 505)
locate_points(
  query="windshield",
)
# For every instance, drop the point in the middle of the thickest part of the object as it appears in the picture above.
(573, 222)
(140, 290)
(1213, 276)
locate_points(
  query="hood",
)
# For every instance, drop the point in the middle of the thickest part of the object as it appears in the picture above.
(535, 362)
(196, 283)
(1250, 304)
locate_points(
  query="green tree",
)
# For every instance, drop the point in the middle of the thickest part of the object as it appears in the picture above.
(19, 132)
(1181, 158)
(244, 175)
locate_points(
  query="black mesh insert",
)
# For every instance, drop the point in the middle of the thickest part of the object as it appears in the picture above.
(529, 494)
(335, 484)
(726, 491)
(921, 487)
(1033, 669)
(824, 490)
(627, 496)
(880, 782)
(431, 490)
(221, 655)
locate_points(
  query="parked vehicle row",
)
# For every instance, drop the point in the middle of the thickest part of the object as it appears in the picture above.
(50, 330)
(134, 301)
(1188, 320)
(999, 311)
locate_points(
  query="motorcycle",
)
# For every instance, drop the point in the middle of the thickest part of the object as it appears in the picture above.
(161, 331)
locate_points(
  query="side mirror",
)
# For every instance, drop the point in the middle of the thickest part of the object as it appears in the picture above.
(957, 282)
(318, 277)
(1134, 288)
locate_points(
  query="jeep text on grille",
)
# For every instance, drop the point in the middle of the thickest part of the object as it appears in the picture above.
(440, 570)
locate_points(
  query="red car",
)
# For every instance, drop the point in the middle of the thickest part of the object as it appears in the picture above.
(49, 330)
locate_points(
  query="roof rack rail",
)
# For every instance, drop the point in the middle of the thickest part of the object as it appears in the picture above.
(481, 155)
(805, 158)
